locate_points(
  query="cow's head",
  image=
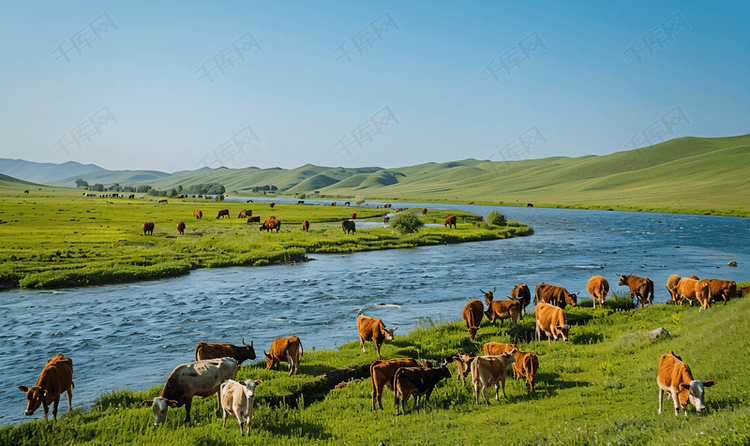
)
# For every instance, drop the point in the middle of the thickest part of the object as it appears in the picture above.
(159, 405)
(510, 356)
(623, 279)
(488, 295)
(269, 360)
(34, 397)
(563, 329)
(572, 298)
(694, 394)
(249, 387)
(472, 332)
(389, 333)
(245, 352)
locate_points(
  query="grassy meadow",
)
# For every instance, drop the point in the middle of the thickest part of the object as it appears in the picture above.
(599, 388)
(54, 237)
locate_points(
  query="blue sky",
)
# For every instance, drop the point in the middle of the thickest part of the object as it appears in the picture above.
(180, 85)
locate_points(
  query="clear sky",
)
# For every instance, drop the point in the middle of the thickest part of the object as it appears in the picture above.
(180, 85)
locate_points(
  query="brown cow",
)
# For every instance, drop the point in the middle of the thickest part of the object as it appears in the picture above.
(382, 372)
(285, 349)
(424, 211)
(641, 287)
(724, 289)
(386, 219)
(354, 215)
(272, 204)
(555, 295)
(463, 362)
(497, 348)
(181, 228)
(598, 288)
(372, 329)
(488, 371)
(472, 314)
(202, 378)
(417, 381)
(333, 203)
(148, 228)
(254, 219)
(743, 291)
(489, 296)
(245, 213)
(223, 213)
(450, 221)
(526, 366)
(675, 377)
(387, 206)
(692, 289)
(56, 378)
(552, 321)
(270, 224)
(522, 294)
(672, 282)
(198, 214)
(502, 309)
(211, 350)
(306, 226)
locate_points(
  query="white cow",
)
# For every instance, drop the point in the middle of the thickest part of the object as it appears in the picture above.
(237, 398)
(490, 370)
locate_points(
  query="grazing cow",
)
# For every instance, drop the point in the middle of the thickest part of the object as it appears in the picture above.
(522, 294)
(642, 287)
(306, 226)
(387, 206)
(472, 314)
(424, 211)
(488, 371)
(526, 366)
(211, 350)
(254, 219)
(237, 398)
(270, 224)
(201, 378)
(272, 204)
(598, 288)
(333, 203)
(372, 329)
(502, 309)
(724, 289)
(181, 228)
(162, 200)
(743, 291)
(529, 205)
(417, 381)
(56, 378)
(555, 295)
(348, 226)
(26, 192)
(386, 219)
(131, 197)
(672, 282)
(692, 289)
(675, 377)
(382, 372)
(552, 321)
(223, 213)
(301, 202)
(285, 349)
(346, 204)
(497, 348)
(450, 221)
(148, 228)
(463, 362)
(245, 213)
(354, 215)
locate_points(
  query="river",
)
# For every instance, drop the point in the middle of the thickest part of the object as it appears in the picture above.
(131, 336)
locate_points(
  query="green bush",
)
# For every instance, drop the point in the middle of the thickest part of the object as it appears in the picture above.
(495, 218)
(406, 223)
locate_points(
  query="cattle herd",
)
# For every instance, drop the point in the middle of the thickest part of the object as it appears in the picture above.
(215, 368)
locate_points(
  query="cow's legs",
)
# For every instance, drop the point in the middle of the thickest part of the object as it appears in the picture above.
(239, 421)
(248, 420)
(476, 393)
(224, 417)
(362, 343)
(661, 398)
(55, 403)
(503, 383)
(497, 392)
(46, 408)
(484, 392)
(377, 348)
(70, 398)
(188, 403)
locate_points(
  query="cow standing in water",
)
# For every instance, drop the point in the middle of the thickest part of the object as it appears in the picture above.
(56, 378)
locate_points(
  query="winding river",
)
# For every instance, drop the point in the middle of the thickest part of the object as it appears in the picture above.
(131, 336)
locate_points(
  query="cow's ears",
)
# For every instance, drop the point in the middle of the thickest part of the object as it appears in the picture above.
(147, 403)
(685, 386)
(709, 383)
(264, 352)
(394, 329)
(23, 389)
(251, 344)
(258, 381)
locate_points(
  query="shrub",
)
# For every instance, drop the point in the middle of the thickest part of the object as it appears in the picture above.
(406, 223)
(495, 218)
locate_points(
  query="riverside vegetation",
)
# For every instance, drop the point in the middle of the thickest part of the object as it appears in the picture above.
(58, 238)
(599, 388)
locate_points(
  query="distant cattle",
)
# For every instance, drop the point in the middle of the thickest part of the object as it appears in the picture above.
(674, 376)
(148, 228)
(490, 370)
(387, 206)
(529, 205)
(552, 321)
(382, 373)
(26, 192)
(417, 382)
(270, 224)
(131, 196)
(503, 309)
(472, 314)
(56, 378)
(162, 201)
(306, 226)
(245, 213)
(424, 211)
(450, 221)
(555, 295)
(272, 204)
(598, 288)
(333, 203)
(237, 398)
(641, 287)
(198, 214)
(181, 228)
(373, 329)
(254, 219)
(354, 215)
(301, 202)
(348, 226)
(722, 289)
(211, 350)
(346, 204)
(223, 213)
(201, 378)
(522, 294)
(386, 219)
(285, 349)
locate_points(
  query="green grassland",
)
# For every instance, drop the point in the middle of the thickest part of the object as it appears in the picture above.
(59, 238)
(599, 388)
(688, 175)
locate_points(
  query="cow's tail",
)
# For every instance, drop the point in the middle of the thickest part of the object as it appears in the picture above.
(650, 292)
(300, 349)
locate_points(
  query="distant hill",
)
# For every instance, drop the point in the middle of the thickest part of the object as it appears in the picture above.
(9, 180)
(47, 173)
